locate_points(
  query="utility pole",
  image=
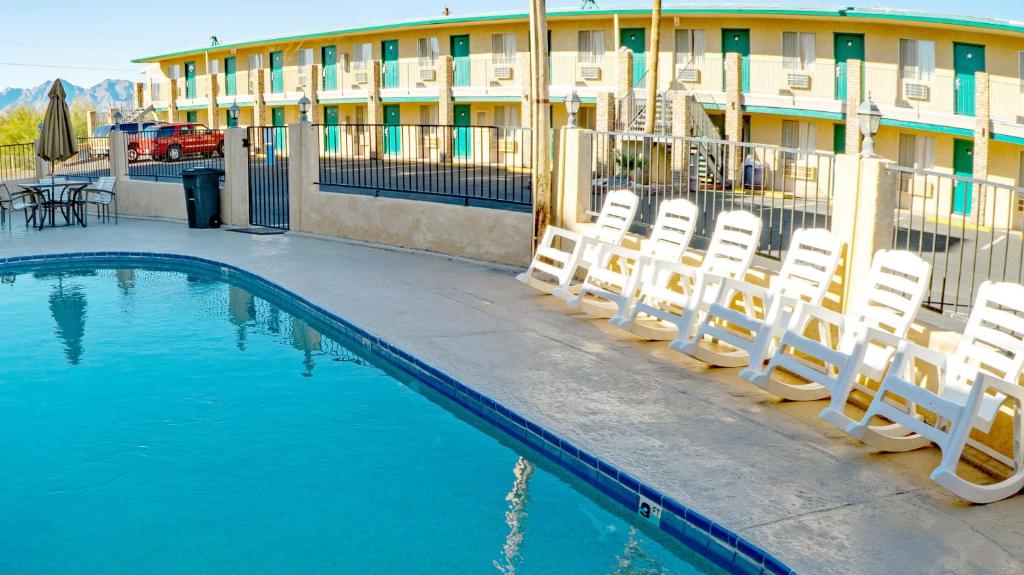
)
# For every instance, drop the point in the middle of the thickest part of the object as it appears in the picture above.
(540, 122)
(652, 72)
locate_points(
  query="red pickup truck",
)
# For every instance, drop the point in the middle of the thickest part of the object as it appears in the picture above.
(172, 142)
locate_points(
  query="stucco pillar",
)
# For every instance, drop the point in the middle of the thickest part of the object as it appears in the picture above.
(140, 91)
(303, 166)
(523, 69)
(574, 185)
(259, 105)
(172, 104)
(212, 115)
(681, 128)
(982, 132)
(118, 154)
(314, 94)
(864, 202)
(734, 112)
(854, 75)
(110, 115)
(235, 195)
(445, 73)
(374, 107)
(90, 121)
(623, 72)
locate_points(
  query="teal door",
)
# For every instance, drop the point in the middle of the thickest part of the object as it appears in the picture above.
(329, 56)
(738, 40)
(963, 166)
(392, 130)
(460, 56)
(230, 84)
(463, 133)
(280, 133)
(190, 80)
(192, 117)
(847, 47)
(636, 40)
(276, 73)
(331, 135)
(967, 60)
(389, 57)
(839, 138)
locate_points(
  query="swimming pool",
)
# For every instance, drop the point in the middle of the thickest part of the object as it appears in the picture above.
(173, 417)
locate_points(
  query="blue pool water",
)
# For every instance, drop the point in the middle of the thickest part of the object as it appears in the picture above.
(167, 422)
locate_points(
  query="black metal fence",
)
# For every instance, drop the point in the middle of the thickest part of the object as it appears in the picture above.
(788, 188)
(970, 230)
(91, 162)
(471, 165)
(163, 153)
(17, 161)
(268, 176)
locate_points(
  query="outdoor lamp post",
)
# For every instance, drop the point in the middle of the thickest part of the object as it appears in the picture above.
(572, 105)
(868, 117)
(233, 113)
(304, 104)
(118, 118)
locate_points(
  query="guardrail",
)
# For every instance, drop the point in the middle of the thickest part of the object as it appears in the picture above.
(788, 188)
(155, 155)
(970, 230)
(92, 160)
(473, 165)
(17, 161)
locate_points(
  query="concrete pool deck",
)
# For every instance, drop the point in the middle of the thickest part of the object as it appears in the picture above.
(770, 471)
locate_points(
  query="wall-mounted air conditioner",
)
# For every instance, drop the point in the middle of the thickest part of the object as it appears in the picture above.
(503, 72)
(686, 74)
(914, 90)
(590, 72)
(360, 76)
(426, 74)
(798, 80)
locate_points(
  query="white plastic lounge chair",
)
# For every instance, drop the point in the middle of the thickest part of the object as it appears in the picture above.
(971, 386)
(844, 346)
(662, 312)
(561, 263)
(611, 285)
(806, 275)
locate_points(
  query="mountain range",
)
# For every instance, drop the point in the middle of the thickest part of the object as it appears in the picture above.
(106, 94)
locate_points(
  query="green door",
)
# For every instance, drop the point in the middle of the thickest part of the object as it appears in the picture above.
(636, 40)
(389, 57)
(963, 166)
(230, 85)
(847, 47)
(392, 130)
(329, 56)
(331, 135)
(460, 56)
(192, 117)
(190, 80)
(463, 133)
(276, 73)
(967, 60)
(280, 135)
(839, 138)
(738, 40)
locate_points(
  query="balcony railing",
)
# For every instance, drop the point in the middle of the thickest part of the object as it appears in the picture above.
(572, 70)
(930, 93)
(1007, 99)
(409, 74)
(487, 71)
(771, 76)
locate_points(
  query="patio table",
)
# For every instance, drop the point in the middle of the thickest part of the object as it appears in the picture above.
(48, 192)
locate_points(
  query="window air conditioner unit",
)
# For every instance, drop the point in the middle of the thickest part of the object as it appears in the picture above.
(426, 74)
(915, 90)
(503, 72)
(360, 76)
(798, 80)
(686, 74)
(590, 72)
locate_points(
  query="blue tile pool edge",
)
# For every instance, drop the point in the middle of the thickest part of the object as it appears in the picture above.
(710, 540)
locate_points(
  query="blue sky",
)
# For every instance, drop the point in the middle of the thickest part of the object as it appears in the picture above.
(102, 38)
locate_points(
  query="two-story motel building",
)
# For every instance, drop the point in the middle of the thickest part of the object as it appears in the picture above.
(951, 88)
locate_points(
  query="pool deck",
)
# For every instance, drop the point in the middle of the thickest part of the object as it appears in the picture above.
(768, 470)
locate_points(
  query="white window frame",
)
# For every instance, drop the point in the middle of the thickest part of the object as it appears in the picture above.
(923, 54)
(690, 46)
(506, 115)
(916, 152)
(590, 46)
(428, 50)
(503, 49)
(362, 55)
(304, 58)
(799, 50)
(806, 134)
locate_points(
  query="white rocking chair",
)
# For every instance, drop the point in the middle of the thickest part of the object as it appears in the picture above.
(972, 385)
(806, 275)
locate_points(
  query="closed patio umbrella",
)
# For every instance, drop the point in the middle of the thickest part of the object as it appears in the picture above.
(57, 138)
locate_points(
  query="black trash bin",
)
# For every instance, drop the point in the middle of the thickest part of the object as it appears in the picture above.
(202, 196)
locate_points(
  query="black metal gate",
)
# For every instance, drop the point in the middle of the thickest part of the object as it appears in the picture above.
(268, 176)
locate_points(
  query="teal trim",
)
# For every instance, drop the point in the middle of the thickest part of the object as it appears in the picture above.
(712, 106)
(343, 100)
(928, 127)
(226, 105)
(794, 112)
(192, 107)
(588, 100)
(486, 99)
(1008, 139)
(860, 13)
(287, 102)
(405, 99)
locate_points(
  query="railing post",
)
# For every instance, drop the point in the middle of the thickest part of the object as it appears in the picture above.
(303, 165)
(235, 197)
(863, 214)
(854, 75)
(982, 121)
(734, 112)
